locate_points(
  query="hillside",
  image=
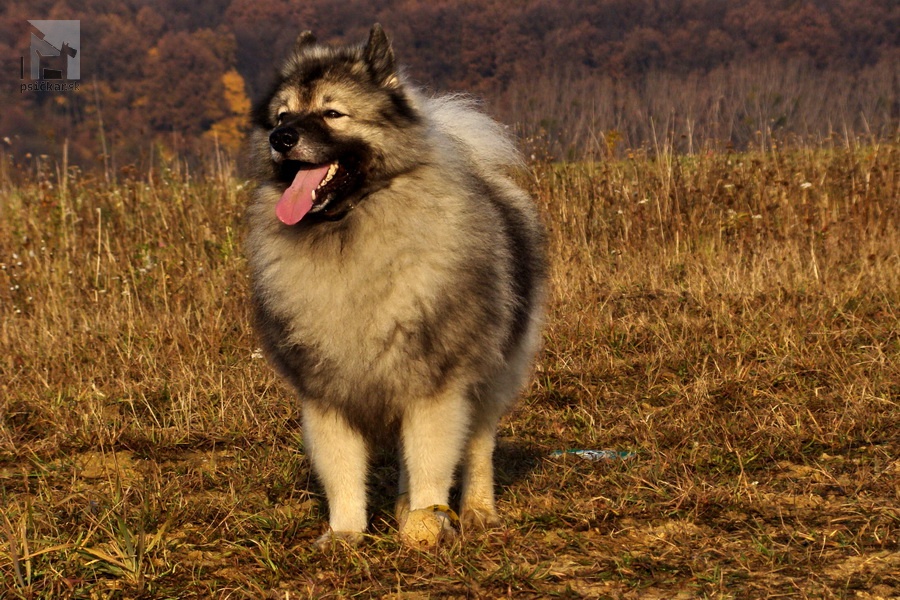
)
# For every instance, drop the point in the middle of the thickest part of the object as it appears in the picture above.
(178, 76)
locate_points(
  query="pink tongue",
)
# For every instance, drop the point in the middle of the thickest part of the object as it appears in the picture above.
(297, 200)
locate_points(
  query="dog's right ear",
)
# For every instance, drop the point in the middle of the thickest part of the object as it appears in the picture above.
(304, 40)
(379, 56)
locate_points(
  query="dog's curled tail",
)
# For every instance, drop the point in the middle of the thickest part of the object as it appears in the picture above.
(489, 143)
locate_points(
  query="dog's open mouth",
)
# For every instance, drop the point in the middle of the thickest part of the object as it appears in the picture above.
(313, 189)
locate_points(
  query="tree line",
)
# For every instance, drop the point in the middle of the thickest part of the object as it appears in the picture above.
(174, 76)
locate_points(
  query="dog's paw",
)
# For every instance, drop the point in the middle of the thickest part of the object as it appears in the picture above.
(429, 527)
(478, 518)
(332, 540)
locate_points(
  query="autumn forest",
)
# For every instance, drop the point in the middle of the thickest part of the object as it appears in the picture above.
(176, 77)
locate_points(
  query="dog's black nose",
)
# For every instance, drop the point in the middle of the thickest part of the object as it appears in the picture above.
(284, 138)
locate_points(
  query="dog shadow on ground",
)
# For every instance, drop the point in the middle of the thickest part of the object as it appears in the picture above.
(515, 461)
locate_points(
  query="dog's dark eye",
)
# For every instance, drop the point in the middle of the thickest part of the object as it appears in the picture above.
(280, 117)
(333, 114)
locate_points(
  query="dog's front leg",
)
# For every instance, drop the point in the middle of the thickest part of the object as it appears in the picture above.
(434, 432)
(340, 459)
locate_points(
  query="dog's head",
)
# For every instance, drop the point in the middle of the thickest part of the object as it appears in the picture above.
(336, 125)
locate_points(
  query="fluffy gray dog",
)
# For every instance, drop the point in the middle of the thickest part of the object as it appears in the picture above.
(398, 280)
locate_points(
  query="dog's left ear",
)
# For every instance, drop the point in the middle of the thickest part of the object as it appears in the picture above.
(304, 40)
(379, 56)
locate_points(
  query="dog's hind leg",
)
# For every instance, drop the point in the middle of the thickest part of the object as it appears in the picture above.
(477, 507)
(477, 510)
(340, 459)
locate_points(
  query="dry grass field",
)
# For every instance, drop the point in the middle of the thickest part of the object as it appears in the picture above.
(730, 319)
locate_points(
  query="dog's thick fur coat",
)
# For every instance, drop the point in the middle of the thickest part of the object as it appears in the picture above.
(406, 299)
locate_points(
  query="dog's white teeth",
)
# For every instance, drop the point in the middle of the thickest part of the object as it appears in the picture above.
(314, 194)
(332, 170)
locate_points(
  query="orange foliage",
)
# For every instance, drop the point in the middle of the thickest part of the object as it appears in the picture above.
(185, 71)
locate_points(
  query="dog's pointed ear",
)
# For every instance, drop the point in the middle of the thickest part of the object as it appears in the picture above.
(379, 57)
(304, 40)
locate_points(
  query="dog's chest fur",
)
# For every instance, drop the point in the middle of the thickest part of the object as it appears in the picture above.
(360, 301)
